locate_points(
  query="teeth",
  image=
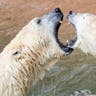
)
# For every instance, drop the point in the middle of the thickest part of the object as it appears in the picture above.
(67, 41)
(61, 22)
(68, 22)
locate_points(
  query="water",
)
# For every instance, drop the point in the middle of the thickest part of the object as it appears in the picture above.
(73, 73)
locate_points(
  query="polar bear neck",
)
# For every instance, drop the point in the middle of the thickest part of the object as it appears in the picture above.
(28, 66)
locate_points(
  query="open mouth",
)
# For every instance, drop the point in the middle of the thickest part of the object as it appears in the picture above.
(65, 48)
(57, 28)
(70, 43)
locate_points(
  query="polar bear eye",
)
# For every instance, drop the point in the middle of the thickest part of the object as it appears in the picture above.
(38, 21)
(15, 53)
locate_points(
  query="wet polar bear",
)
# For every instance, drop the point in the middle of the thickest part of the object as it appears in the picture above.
(85, 25)
(35, 49)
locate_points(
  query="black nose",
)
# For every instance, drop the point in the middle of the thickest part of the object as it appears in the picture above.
(57, 10)
(70, 12)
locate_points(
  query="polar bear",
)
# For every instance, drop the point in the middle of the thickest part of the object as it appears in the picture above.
(34, 49)
(85, 25)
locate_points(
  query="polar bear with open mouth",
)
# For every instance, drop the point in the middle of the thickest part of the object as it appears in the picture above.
(85, 25)
(34, 49)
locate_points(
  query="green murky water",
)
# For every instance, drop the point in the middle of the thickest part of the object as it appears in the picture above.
(72, 73)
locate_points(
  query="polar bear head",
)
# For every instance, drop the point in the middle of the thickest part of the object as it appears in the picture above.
(81, 20)
(85, 25)
(49, 24)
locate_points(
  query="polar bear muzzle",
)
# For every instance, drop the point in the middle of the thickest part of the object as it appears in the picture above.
(71, 20)
(52, 22)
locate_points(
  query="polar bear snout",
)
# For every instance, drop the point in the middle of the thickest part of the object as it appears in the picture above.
(57, 10)
(71, 16)
(58, 14)
(52, 18)
(72, 13)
